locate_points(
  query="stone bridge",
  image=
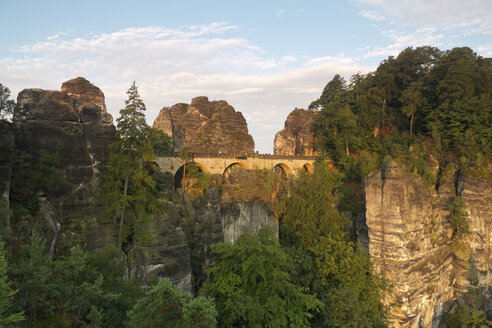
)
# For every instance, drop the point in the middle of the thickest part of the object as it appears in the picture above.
(222, 164)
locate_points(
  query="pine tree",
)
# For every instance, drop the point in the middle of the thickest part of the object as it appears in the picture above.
(128, 185)
(6, 294)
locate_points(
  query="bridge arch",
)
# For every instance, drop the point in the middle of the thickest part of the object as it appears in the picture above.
(183, 171)
(282, 170)
(308, 168)
(231, 166)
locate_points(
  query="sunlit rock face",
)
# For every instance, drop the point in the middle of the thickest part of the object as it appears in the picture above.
(84, 92)
(411, 242)
(78, 101)
(209, 127)
(297, 137)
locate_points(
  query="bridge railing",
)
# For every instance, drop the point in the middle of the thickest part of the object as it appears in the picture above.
(244, 156)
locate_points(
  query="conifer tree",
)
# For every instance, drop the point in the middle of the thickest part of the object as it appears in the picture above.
(128, 185)
(7, 318)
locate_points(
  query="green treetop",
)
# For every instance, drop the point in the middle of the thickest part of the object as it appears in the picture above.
(252, 287)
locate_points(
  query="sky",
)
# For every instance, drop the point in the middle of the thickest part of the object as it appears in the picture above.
(264, 58)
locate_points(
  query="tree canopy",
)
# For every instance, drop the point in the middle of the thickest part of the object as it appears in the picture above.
(442, 96)
(251, 286)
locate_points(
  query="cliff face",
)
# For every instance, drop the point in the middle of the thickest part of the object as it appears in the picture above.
(412, 242)
(297, 137)
(73, 125)
(206, 126)
(237, 204)
(78, 131)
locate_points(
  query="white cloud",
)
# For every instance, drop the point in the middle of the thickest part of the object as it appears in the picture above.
(485, 51)
(400, 40)
(175, 65)
(280, 12)
(445, 14)
(426, 22)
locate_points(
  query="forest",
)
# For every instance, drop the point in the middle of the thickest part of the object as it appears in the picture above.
(423, 107)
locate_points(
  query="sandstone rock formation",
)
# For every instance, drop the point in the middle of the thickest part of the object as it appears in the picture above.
(79, 101)
(412, 243)
(206, 126)
(73, 125)
(84, 92)
(297, 137)
(237, 204)
(51, 122)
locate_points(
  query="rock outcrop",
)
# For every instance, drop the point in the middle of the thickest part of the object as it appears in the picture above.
(412, 242)
(59, 123)
(73, 125)
(233, 206)
(297, 137)
(84, 92)
(209, 127)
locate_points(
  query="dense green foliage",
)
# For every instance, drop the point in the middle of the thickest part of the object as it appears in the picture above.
(160, 142)
(424, 95)
(468, 311)
(71, 289)
(458, 217)
(329, 265)
(251, 285)
(7, 317)
(167, 306)
(130, 192)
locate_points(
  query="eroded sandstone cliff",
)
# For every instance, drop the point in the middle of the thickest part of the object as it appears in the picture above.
(73, 125)
(297, 137)
(206, 126)
(412, 242)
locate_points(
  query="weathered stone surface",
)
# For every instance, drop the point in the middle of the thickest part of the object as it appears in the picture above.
(225, 212)
(297, 137)
(79, 101)
(46, 122)
(243, 217)
(411, 242)
(167, 255)
(83, 91)
(206, 126)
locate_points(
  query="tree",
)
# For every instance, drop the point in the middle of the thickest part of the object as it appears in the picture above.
(6, 105)
(458, 216)
(128, 185)
(344, 272)
(161, 142)
(251, 284)
(32, 273)
(331, 90)
(7, 318)
(412, 100)
(166, 305)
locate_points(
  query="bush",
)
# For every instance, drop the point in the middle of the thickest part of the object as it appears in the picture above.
(458, 216)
